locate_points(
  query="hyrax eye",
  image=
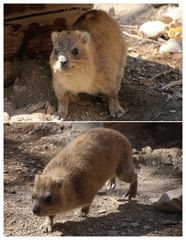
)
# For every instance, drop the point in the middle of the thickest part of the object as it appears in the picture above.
(34, 196)
(48, 199)
(75, 51)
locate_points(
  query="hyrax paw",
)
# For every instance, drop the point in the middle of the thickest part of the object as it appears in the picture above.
(82, 213)
(132, 190)
(59, 116)
(111, 184)
(130, 194)
(46, 227)
(117, 112)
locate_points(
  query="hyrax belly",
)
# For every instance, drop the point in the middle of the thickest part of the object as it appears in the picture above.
(72, 178)
(89, 58)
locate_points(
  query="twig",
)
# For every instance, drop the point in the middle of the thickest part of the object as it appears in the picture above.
(156, 116)
(172, 84)
(129, 26)
(114, 200)
(140, 38)
(162, 73)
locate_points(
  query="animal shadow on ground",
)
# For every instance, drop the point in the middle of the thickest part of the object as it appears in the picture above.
(132, 219)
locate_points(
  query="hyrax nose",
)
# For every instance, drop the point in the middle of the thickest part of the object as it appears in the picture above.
(36, 210)
(63, 61)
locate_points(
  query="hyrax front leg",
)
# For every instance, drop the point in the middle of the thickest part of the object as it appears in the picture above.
(114, 107)
(63, 103)
(48, 224)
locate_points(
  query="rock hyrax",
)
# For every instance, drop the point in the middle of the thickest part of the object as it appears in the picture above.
(89, 58)
(73, 177)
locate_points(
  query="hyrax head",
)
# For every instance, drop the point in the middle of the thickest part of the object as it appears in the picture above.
(69, 49)
(47, 199)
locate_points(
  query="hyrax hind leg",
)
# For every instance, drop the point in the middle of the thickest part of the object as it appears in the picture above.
(127, 174)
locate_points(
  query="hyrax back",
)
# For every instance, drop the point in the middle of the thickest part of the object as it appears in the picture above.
(72, 178)
(89, 58)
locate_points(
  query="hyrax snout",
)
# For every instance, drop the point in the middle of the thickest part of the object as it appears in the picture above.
(89, 58)
(73, 177)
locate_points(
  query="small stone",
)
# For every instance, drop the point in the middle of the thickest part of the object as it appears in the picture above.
(6, 117)
(170, 46)
(130, 231)
(134, 151)
(12, 222)
(152, 29)
(112, 233)
(168, 222)
(147, 150)
(146, 227)
(13, 192)
(172, 111)
(170, 201)
(124, 224)
(101, 211)
(134, 224)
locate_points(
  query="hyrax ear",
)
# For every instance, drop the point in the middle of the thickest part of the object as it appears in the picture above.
(84, 36)
(55, 37)
(59, 181)
(37, 177)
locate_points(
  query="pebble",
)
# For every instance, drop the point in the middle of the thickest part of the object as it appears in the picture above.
(170, 46)
(172, 111)
(147, 150)
(124, 224)
(101, 211)
(168, 222)
(152, 29)
(146, 227)
(112, 233)
(134, 224)
(6, 117)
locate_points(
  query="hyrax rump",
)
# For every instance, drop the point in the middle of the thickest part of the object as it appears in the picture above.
(73, 177)
(89, 58)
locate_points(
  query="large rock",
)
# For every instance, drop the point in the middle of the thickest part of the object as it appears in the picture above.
(170, 201)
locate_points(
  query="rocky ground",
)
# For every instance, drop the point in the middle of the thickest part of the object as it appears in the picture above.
(142, 92)
(29, 147)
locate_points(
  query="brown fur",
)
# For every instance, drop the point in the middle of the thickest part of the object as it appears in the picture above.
(78, 172)
(99, 66)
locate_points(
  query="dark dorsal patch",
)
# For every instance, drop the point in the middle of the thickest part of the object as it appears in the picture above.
(79, 185)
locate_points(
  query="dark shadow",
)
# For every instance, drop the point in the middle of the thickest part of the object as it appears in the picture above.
(133, 219)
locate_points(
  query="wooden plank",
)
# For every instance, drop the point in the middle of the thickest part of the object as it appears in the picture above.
(27, 31)
(35, 30)
(12, 11)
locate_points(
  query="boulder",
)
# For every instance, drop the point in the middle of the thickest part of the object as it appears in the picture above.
(170, 201)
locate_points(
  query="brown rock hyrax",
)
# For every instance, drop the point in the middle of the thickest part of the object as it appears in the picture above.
(89, 58)
(73, 177)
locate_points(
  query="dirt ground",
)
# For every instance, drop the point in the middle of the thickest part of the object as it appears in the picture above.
(142, 94)
(29, 146)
